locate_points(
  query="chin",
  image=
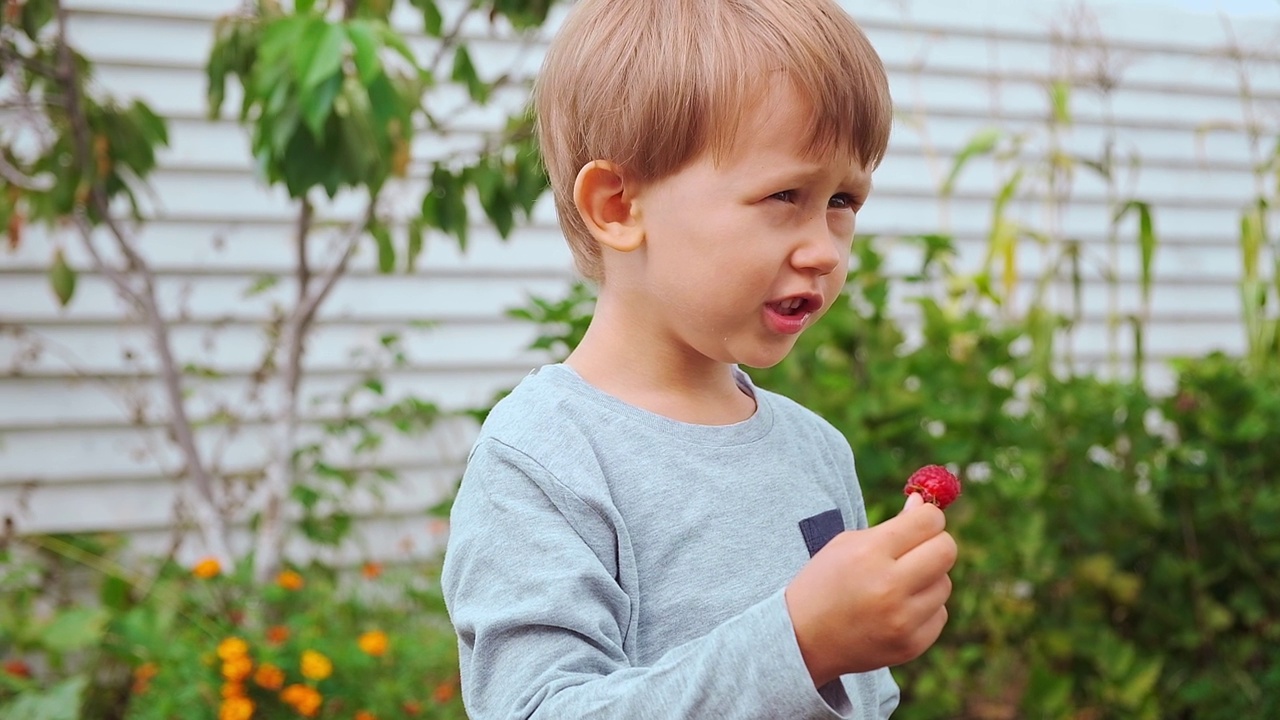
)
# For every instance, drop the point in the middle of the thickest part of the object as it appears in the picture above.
(764, 360)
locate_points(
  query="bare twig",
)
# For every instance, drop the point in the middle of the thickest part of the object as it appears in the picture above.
(280, 475)
(14, 176)
(204, 506)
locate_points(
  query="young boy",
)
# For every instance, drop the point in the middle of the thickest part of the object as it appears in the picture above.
(638, 531)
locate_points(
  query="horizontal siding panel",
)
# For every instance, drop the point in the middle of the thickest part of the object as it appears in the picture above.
(106, 455)
(240, 347)
(1087, 217)
(945, 134)
(72, 403)
(1158, 186)
(212, 298)
(1139, 26)
(911, 48)
(250, 250)
(149, 504)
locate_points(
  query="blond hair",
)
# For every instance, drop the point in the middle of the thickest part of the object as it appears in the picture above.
(652, 84)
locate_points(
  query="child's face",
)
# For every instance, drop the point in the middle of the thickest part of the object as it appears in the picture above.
(740, 257)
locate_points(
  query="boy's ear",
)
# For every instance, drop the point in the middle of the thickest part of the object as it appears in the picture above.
(605, 204)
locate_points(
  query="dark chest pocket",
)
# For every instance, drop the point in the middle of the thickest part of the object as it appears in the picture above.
(820, 529)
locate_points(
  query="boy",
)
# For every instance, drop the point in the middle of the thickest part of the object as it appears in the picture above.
(638, 531)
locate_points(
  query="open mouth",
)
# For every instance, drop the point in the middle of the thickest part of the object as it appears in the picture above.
(794, 306)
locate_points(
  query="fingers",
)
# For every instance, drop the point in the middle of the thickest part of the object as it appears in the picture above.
(931, 629)
(921, 566)
(915, 524)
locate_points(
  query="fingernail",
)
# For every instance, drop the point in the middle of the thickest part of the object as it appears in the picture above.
(913, 500)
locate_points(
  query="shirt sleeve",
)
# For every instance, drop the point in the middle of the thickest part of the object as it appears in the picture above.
(543, 625)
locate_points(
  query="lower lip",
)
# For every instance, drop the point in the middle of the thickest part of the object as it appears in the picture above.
(785, 324)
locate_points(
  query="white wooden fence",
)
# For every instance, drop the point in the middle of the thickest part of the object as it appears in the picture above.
(82, 445)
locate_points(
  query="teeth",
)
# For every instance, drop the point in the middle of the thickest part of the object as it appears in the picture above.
(793, 304)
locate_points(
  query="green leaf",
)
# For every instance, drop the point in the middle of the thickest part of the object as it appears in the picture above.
(416, 243)
(983, 143)
(35, 15)
(444, 206)
(302, 7)
(1141, 685)
(218, 66)
(1146, 240)
(261, 285)
(464, 71)
(489, 182)
(74, 629)
(386, 249)
(320, 54)
(1252, 238)
(116, 593)
(317, 105)
(365, 42)
(396, 42)
(62, 278)
(1060, 99)
(151, 126)
(282, 41)
(60, 702)
(432, 20)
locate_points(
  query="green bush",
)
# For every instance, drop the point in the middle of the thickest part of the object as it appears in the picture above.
(101, 643)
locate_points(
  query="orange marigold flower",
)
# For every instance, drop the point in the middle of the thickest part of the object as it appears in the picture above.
(315, 666)
(365, 715)
(371, 570)
(142, 677)
(233, 690)
(236, 708)
(443, 693)
(207, 568)
(269, 676)
(305, 699)
(232, 648)
(289, 695)
(411, 707)
(290, 580)
(277, 634)
(237, 669)
(374, 643)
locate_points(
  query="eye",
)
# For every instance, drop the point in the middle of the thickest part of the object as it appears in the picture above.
(844, 201)
(786, 196)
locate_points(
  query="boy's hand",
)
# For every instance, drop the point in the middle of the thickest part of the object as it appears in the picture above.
(876, 597)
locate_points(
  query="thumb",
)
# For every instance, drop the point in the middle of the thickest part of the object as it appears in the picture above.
(914, 500)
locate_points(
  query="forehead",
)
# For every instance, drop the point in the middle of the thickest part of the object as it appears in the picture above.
(778, 123)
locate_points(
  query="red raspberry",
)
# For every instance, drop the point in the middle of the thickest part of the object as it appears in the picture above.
(935, 484)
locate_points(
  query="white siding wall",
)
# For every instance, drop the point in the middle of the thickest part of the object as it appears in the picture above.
(74, 383)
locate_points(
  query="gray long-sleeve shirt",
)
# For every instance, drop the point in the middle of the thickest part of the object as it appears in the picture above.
(607, 562)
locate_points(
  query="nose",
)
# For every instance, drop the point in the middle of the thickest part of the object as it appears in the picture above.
(819, 249)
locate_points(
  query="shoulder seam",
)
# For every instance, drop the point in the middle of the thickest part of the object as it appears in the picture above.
(559, 483)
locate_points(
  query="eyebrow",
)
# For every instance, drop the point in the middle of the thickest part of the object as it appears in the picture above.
(859, 181)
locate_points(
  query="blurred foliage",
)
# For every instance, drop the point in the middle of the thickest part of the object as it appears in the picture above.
(207, 643)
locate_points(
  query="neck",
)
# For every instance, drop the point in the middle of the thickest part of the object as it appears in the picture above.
(626, 356)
